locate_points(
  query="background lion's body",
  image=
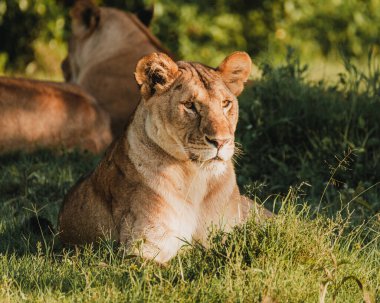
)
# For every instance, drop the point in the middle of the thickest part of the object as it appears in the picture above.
(38, 114)
(102, 59)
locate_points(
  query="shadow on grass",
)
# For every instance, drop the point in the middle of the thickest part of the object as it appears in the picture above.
(34, 185)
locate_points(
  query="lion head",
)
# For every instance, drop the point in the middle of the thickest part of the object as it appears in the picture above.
(192, 109)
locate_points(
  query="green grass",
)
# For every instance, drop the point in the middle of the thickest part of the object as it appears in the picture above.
(293, 131)
(323, 245)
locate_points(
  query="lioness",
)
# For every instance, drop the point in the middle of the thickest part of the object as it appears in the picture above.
(170, 176)
(104, 48)
(39, 114)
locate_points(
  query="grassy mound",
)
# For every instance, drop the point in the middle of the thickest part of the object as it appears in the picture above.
(323, 245)
(326, 135)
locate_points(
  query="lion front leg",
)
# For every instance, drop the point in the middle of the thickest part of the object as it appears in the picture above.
(152, 241)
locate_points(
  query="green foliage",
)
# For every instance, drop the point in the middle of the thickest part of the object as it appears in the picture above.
(197, 31)
(206, 32)
(22, 24)
(350, 26)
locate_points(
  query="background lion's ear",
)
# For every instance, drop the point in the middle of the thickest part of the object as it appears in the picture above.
(85, 17)
(66, 69)
(145, 15)
(235, 70)
(155, 73)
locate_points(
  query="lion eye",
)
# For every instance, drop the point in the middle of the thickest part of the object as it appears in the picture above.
(226, 103)
(190, 106)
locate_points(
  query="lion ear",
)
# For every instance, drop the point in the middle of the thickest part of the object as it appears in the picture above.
(155, 73)
(235, 70)
(145, 15)
(85, 17)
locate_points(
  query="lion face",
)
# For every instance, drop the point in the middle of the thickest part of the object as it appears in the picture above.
(192, 110)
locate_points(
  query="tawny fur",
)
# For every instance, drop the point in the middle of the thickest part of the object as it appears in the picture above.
(169, 178)
(40, 114)
(104, 48)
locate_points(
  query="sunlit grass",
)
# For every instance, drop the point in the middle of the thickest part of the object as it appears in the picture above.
(290, 258)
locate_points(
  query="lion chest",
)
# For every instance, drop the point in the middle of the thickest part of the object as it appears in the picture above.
(182, 199)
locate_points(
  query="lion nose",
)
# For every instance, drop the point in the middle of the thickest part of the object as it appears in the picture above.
(218, 143)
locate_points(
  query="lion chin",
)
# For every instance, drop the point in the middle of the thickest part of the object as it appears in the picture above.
(215, 166)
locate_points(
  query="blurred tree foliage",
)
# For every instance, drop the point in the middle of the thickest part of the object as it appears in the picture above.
(208, 30)
(24, 25)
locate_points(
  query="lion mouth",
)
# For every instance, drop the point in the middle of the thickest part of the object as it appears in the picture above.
(196, 158)
(216, 158)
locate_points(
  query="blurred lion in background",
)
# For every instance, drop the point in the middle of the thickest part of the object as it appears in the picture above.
(104, 48)
(40, 114)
